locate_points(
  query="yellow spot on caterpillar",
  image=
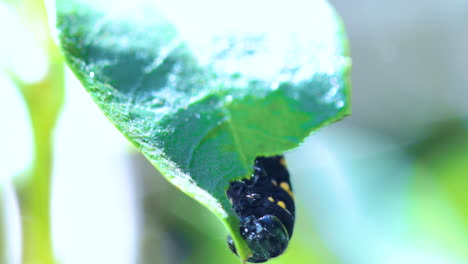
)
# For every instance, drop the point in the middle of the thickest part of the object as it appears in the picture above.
(271, 199)
(275, 183)
(283, 162)
(285, 186)
(281, 204)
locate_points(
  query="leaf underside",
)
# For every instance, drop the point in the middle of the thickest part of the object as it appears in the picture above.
(202, 96)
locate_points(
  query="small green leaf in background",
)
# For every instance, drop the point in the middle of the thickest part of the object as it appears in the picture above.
(203, 87)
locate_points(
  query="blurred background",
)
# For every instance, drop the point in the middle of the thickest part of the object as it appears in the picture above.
(387, 185)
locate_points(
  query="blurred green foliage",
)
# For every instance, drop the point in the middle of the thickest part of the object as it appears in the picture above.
(440, 187)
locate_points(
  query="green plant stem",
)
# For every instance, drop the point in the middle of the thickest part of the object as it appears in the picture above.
(44, 100)
(35, 206)
(4, 254)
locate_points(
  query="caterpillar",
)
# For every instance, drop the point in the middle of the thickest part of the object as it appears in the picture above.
(265, 207)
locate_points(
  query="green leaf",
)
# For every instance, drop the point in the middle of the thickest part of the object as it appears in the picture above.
(202, 88)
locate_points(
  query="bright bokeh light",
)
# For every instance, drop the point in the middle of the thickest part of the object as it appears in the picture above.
(10, 218)
(15, 135)
(18, 49)
(94, 211)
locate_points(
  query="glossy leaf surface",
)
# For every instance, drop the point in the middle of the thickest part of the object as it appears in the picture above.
(202, 88)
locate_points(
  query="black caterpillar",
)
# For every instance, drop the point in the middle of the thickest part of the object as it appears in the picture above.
(265, 206)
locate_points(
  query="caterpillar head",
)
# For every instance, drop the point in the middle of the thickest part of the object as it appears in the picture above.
(266, 237)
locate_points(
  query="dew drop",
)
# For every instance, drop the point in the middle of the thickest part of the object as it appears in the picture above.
(197, 116)
(91, 74)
